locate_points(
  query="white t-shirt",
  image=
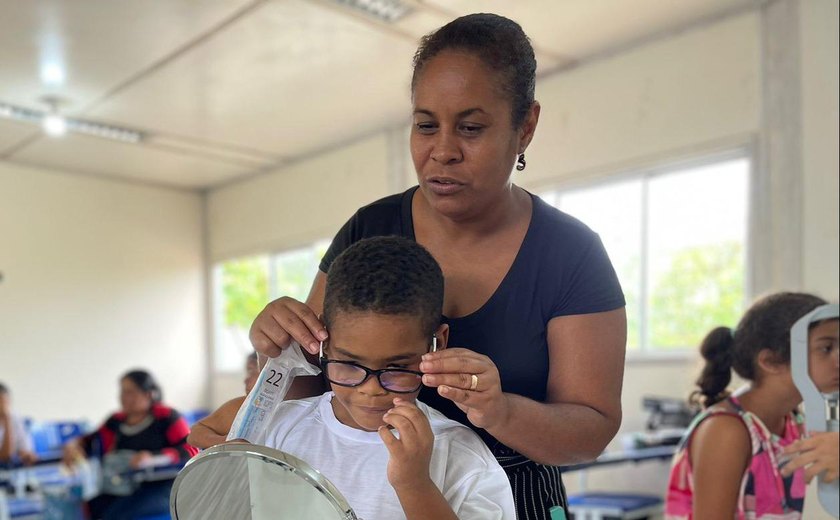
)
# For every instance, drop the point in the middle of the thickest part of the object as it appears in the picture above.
(356, 462)
(21, 439)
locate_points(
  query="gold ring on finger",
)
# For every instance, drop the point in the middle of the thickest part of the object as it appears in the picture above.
(473, 382)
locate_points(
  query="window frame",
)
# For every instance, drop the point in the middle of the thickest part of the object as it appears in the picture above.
(645, 173)
(274, 292)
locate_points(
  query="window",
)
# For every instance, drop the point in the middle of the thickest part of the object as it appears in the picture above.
(244, 286)
(677, 239)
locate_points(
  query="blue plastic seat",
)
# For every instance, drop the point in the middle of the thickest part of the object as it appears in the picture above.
(609, 506)
(49, 436)
(24, 507)
(193, 416)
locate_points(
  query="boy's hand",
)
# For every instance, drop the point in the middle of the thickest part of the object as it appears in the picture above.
(410, 455)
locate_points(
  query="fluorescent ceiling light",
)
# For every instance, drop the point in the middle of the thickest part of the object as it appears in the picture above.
(52, 124)
(386, 10)
(52, 74)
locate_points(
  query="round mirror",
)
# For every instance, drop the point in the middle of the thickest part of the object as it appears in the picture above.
(250, 482)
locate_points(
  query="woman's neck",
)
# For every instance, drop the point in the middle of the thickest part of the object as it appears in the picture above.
(135, 417)
(512, 204)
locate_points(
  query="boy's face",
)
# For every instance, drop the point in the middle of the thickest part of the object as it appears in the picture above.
(824, 355)
(374, 341)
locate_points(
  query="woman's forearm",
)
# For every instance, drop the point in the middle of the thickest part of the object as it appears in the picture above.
(555, 433)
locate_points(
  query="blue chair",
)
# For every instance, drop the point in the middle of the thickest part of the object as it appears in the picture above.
(49, 436)
(193, 416)
(24, 508)
(613, 506)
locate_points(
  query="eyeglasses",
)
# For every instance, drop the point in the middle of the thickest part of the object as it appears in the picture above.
(352, 374)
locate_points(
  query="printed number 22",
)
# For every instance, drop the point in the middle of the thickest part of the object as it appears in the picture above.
(272, 380)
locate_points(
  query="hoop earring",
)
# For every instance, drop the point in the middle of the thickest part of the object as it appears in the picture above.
(520, 162)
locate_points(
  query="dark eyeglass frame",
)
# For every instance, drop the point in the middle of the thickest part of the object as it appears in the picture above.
(325, 362)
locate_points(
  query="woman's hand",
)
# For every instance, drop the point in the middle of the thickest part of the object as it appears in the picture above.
(411, 454)
(28, 458)
(817, 454)
(140, 459)
(72, 453)
(285, 320)
(471, 381)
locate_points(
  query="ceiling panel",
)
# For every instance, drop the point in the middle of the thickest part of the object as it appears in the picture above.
(72, 35)
(577, 29)
(229, 87)
(11, 133)
(117, 160)
(291, 78)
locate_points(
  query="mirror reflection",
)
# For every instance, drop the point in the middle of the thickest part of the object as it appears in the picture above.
(254, 482)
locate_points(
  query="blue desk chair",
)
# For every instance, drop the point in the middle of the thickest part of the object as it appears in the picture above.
(24, 508)
(613, 506)
(193, 416)
(49, 436)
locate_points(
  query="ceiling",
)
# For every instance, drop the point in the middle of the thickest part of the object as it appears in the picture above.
(226, 89)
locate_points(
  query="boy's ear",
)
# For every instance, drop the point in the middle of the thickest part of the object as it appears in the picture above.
(442, 335)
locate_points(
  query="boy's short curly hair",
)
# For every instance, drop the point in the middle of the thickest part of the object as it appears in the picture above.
(386, 275)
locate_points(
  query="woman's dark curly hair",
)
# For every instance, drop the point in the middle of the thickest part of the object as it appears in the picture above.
(500, 43)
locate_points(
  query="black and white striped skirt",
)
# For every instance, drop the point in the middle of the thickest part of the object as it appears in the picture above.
(536, 488)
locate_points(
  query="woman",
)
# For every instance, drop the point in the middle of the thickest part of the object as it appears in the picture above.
(155, 433)
(530, 293)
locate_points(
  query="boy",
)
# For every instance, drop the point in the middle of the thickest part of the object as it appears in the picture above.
(390, 456)
(14, 441)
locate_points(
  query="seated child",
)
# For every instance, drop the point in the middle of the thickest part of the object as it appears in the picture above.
(213, 429)
(15, 443)
(730, 463)
(389, 455)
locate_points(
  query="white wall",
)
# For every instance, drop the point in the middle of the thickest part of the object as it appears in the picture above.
(298, 204)
(695, 91)
(98, 277)
(819, 56)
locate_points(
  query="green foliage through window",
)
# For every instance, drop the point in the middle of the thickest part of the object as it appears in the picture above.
(703, 289)
(244, 290)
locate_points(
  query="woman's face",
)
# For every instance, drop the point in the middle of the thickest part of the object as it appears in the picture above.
(462, 140)
(824, 355)
(133, 399)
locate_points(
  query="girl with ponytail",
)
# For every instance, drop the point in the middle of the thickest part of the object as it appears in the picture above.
(728, 464)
